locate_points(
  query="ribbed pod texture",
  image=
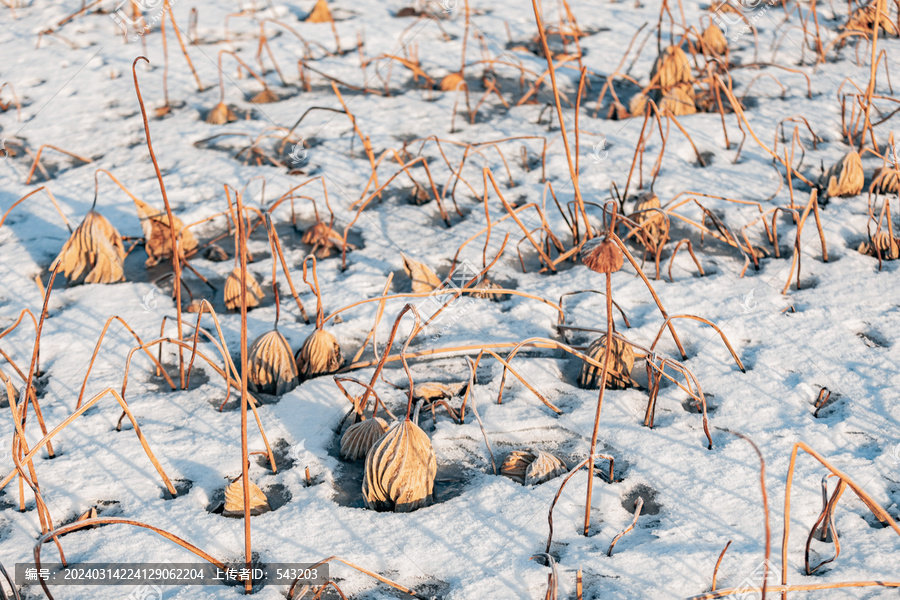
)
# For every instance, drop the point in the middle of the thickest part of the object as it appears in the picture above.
(400, 470)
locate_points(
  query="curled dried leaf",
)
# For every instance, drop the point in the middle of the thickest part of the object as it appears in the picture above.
(679, 100)
(483, 290)
(452, 82)
(157, 238)
(319, 355)
(864, 19)
(400, 470)
(432, 390)
(422, 277)
(324, 240)
(360, 437)
(714, 39)
(671, 68)
(638, 104)
(272, 367)
(881, 244)
(233, 290)
(320, 13)
(846, 177)
(886, 181)
(265, 97)
(234, 499)
(94, 253)
(620, 363)
(220, 114)
(216, 253)
(532, 467)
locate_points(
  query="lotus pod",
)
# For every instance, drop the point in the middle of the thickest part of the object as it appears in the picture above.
(234, 500)
(604, 257)
(882, 243)
(233, 290)
(220, 114)
(423, 278)
(679, 100)
(846, 177)
(885, 181)
(532, 468)
(157, 237)
(452, 82)
(400, 470)
(671, 68)
(359, 437)
(320, 13)
(320, 354)
(272, 367)
(94, 250)
(620, 363)
(714, 39)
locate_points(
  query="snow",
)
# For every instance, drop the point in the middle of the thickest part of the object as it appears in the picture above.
(839, 330)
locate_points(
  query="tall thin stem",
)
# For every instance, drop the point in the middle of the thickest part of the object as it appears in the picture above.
(245, 459)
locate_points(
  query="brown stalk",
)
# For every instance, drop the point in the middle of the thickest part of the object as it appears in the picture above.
(718, 564)
(638, 505)
(176, 255)
(37, 159)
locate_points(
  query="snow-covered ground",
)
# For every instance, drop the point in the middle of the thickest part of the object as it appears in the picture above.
(839, 330)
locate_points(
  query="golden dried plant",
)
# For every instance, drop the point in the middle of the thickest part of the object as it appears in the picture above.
(319, 355)
(619, 365)
(233, 290)
(220, 114)
(320, 13)
(432, 390)
(361, 436)
(272, 367)
(652, 221)
(452, 82)
(422, 277)
(157, 238)
(482, 290)
(714, 40)
(266, 96)
(532, 468)
(886, 180)
(671, 68)
(638, 104)
(603, 257)
(864, 18)
(844, 178)
(94, 251)
(883, 245)
(679, 100)
(323, 240)
(234, 499)
(400, 470)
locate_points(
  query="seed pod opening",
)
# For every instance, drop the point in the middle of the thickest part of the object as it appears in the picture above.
(272, 367)
(233, 290)
(400, 470)
(846, 177)
(360, 437)
(671, 68)
(234, 500)
(532, 468)
(319, 355)
(157, 238)
(620, 363)
(94, 253)
(603, 257)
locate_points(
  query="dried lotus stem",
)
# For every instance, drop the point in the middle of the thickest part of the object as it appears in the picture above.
(401, 466)
(275, 243)
(718, 564)
(171, 222)
(234, 500)
(826, 521)
(47, 193)
(37, 159)
(321, 352)
(638, 505)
